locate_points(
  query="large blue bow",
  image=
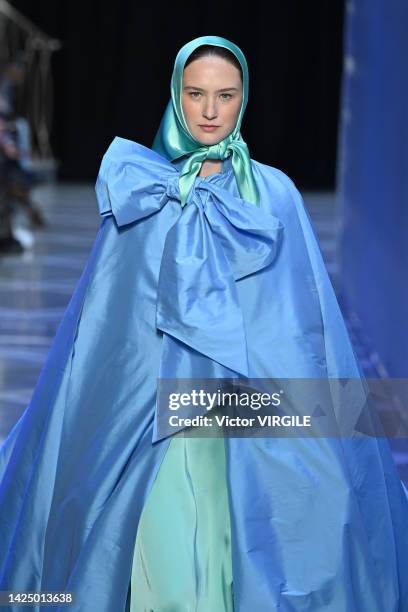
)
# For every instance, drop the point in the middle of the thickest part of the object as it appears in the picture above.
(217, 240)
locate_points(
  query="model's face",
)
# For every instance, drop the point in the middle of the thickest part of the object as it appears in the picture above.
(211, 95)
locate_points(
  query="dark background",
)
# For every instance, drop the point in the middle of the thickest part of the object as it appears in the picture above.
(112, 76)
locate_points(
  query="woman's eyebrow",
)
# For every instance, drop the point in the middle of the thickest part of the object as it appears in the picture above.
(218, 90)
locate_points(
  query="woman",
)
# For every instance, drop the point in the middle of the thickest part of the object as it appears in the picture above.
(205, 267)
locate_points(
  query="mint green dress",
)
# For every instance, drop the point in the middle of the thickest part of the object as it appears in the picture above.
(182, 556)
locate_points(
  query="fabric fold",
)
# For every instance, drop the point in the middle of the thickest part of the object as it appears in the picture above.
(77, 469)
(217, 240)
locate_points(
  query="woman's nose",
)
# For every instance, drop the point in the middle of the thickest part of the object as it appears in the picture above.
(210, 110)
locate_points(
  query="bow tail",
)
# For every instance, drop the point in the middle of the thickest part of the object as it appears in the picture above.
(197, 298)
(182, 369)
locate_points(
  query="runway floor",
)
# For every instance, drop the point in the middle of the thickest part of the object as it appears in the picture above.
(35, 288)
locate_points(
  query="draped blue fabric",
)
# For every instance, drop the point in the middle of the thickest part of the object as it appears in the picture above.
(217, 240)
(218, 288)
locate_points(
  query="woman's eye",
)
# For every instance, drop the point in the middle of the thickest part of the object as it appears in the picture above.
(197, 94)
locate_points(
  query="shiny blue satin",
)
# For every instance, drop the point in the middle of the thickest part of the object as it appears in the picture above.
(316, 524)
(214, 242)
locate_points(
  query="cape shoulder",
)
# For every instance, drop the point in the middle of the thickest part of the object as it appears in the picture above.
(123, 149)
(278, 185)
(274, 174)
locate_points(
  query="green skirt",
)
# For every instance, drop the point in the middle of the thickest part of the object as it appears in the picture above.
(182, 556)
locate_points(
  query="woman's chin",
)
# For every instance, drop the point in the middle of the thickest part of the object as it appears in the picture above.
(209, 139)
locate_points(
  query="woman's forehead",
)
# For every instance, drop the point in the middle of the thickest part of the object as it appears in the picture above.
(212, 71)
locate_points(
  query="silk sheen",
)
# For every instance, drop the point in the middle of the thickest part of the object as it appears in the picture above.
(315, 524)
(182, 560)
(174, 139)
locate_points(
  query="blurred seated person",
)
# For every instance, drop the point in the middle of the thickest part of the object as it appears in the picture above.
(8, 244)
(18, 177)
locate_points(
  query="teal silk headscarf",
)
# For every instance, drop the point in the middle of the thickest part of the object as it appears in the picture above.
(174, 139)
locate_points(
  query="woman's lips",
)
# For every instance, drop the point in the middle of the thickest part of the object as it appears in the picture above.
(209, 128)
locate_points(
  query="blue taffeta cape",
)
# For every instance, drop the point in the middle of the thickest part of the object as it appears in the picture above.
(219, 288)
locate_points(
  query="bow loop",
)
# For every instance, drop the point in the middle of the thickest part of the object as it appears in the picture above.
(132, 181)
(249, 236)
